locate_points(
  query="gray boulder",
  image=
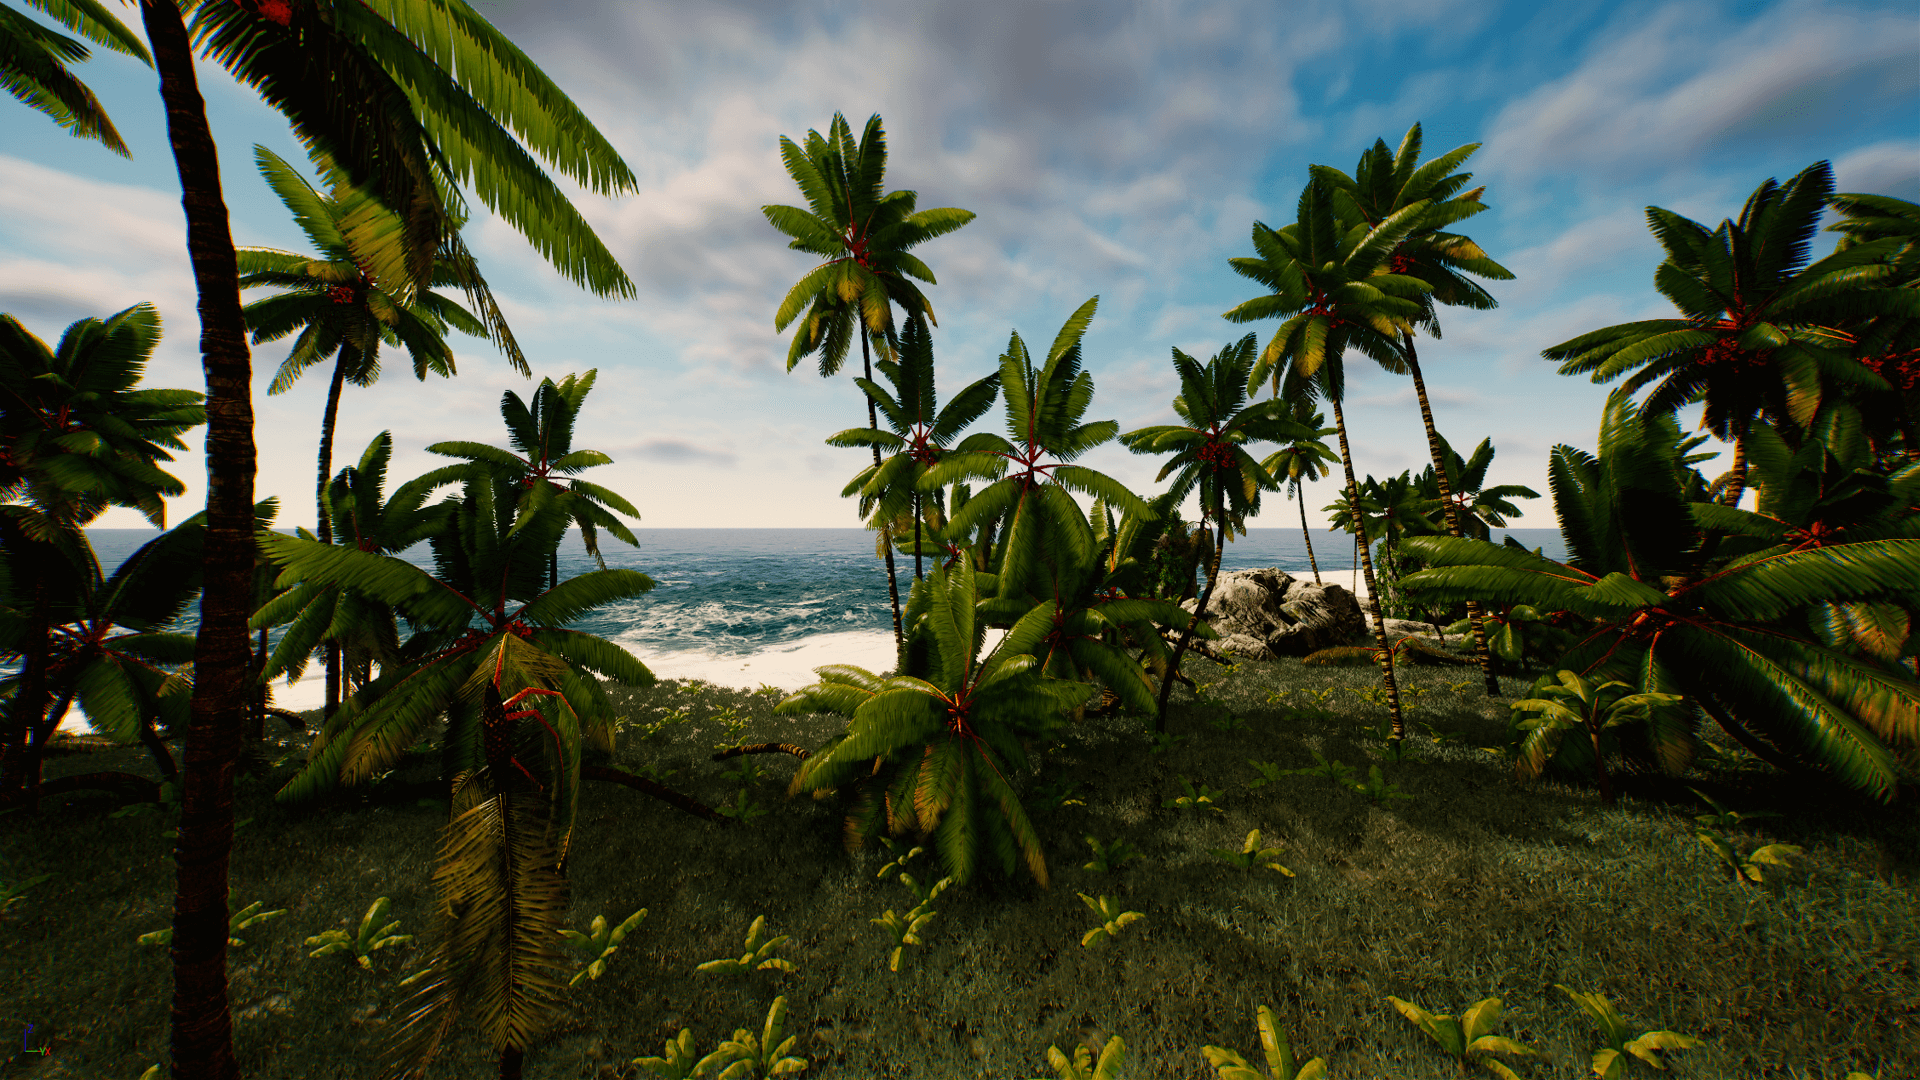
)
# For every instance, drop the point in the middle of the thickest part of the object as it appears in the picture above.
(1266, 614)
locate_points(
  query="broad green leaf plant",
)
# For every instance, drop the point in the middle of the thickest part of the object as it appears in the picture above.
(758, 957)
(1467, 1037)
(372, 936)
(1610, 1061)
(1588, 707)
(599, 945)
(1277, 1050)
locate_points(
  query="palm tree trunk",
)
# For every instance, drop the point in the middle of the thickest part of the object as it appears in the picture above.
(1186, 636)
(325, 521)
(1363, 550)
(37, 747)
(893, 583)
(1301, 490)
(1600, 766)
(202, 1020)
(29, 702)
(1738, 485)
(1475, 617)
(916, 535)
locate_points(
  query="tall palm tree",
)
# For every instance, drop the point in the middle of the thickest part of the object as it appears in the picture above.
(342, 311)
(33, 64)
(77, 434)
(1755, 316)
(1385, 184)
(542, 430)
(1210, 458)
(406, 99)
(1302, 460)
(865, 237)
(1886, 344)
(1327, 285)
(1479, 509)
(921, 430)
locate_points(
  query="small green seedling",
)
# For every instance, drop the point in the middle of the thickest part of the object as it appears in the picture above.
(679, 1062)
(742, 809)
(1228, 722)
(899, 861)
(745, 771)
(1279, 1054)
(1376, 787)
(1459, 687)
(599, 945)
(905, 930)
(1332, 770)
(1081, 1066)
(240, 921)
(1725, 818)
(1440, 738)
(1113, 920)
(1269, 772)
(1746, 868)
(1610, 1061)
(372, 936)
(756, 958)
(1202, 797)
(743, 1056)
(1111, 857)
(1466, 1037)
(1164, 741)
(1252, 855)
(1058, 794)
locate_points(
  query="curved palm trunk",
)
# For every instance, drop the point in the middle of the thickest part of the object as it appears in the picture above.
(202, 1022)
(1475, 616)
(29, 704)
(1301, 490)
(1600, 764)
(1738, 485)
(1363, 550)
(1186, 636)
(325, 520)
(886, 534)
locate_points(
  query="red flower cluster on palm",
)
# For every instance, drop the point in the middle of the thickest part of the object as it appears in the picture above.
(1216, 452)
(343, 294)
(1900, 369)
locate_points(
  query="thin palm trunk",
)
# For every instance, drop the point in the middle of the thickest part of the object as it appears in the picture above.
(1366, 566)
(1475, 617)
(1186, 636)
(202, 1019)
(29, 702)
(1600, 765)
(916, 535)
(1738, 485)
(325, 520)
(886, 532)
(1301, 490)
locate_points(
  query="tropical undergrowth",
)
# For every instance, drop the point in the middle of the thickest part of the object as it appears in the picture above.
(1476, 885)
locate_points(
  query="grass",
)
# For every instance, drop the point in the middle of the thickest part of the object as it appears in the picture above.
(1476, 886)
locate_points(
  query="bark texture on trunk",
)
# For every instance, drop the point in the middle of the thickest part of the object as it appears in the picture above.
(886, 533)
(202, 1021)
(1301, 490)
(1365, 554)
(1186, 636)
(29, 704)
(1475, 617)
(1600, 766)
(325, 520)
(1738, 485)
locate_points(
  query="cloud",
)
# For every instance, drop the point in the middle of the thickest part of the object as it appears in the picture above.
(1884, 168)
(676, 452)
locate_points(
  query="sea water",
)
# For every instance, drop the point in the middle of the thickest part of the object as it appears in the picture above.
(753, 607)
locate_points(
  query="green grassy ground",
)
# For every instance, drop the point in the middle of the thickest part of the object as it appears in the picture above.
(1476, 886)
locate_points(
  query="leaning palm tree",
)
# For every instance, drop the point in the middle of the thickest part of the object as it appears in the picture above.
(1327, 284)
(1300, 461)
(1756, 316)
(407, 99)
(865, 237)
(1210, 459)
(33, 64)
(1386, 184)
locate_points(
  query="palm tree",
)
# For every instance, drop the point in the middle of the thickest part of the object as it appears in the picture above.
(1752, 306)
(1478, 509)
(489, 647)
(1385, 185)
(1300, 461)
(343, 312)
(33, 64)
(933, 754)
(1677, 595)
(1210, 459)
(406, 103)
(542, 430)
(865, 237)
(1327, 285)
(1887, 344)
(79, 435)
(1043, 531)
(921, 429)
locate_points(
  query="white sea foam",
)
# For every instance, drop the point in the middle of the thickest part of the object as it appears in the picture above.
(788, 665)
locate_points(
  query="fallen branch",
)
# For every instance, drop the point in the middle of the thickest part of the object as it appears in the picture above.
(762, 748)
(664, 794)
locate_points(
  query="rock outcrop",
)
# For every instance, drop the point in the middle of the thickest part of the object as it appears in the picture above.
(1266, 614)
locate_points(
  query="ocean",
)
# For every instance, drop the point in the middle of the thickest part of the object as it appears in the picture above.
(752, 607)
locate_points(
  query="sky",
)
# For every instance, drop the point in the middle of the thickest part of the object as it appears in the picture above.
(1113, 148)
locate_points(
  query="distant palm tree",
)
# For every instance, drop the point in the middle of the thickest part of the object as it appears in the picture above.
(1327, 285)
(1300, 461)
(33, 64)
(865, 237)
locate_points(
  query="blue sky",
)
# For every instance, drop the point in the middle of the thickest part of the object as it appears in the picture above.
(1109, 148)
